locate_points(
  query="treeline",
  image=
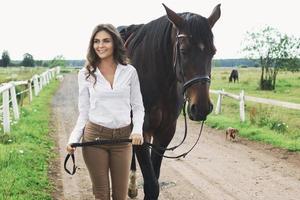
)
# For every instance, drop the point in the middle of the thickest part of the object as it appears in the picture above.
(29, 61)
(80, 63)
(239, 62)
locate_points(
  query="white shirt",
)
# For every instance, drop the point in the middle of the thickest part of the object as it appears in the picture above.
(109, 106)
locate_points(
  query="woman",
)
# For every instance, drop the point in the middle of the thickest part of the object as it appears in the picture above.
(109, 90)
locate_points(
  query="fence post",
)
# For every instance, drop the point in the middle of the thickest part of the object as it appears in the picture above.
(219, 102)
(36, 85)
(57, 70)
(242, 106)
(46, 78)
(29, 90)
(41, 81)
(6, 125)
(14, 102)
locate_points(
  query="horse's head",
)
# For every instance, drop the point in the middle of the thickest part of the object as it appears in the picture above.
(193, 51)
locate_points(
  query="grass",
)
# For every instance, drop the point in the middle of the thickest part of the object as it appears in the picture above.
(287, 86)
(25, 152)
(270, 124)
(19, 73)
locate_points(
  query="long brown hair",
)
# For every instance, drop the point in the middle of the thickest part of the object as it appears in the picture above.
(119, 52)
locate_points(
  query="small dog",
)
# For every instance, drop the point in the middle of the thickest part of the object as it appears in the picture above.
(231, 132)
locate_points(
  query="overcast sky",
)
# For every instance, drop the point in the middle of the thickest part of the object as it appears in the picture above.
(46, 28)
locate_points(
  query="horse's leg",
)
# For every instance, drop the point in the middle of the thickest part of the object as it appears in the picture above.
(132, 188)
(151, 187)
(161, 139)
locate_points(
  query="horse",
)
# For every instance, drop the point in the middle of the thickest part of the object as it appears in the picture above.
(234, 75)
(172, 56)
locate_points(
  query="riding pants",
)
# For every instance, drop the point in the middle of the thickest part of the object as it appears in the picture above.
(111, 158)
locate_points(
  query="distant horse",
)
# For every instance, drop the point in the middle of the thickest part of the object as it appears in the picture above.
(234, 75)
(172, 55)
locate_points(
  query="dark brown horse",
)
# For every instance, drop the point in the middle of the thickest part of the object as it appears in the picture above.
(172, 55)
(234, 75)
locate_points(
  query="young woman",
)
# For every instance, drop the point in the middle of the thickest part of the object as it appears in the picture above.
(109, 90)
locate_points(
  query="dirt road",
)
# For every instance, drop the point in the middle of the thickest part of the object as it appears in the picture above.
(215, 169)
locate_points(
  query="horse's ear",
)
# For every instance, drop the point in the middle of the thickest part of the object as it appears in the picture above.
(174, 18)
(214, 16)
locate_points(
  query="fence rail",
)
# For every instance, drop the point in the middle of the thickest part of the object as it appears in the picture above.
(242, 98)
(9, 95)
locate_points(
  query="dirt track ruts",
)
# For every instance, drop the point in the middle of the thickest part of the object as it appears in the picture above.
(215, 169)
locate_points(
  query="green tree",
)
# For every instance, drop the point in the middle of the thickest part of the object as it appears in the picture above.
(38, 62)
(275, 51)
(58, 61)
(5, 58)
(28, 60)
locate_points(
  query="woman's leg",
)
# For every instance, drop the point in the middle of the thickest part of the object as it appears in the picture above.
(97, 162)
(120, 160)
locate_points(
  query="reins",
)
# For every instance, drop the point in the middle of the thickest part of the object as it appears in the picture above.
(155, 148)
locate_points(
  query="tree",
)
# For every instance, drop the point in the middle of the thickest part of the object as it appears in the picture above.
(274, 51)
(5, 58)
(58, 61)
(28, 60)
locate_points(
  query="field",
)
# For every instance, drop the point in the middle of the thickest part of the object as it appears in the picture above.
(275, 125)
(19, 73)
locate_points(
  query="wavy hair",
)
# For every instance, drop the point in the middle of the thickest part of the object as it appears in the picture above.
(119, 52)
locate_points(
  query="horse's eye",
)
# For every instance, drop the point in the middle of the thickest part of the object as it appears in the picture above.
(201, 46)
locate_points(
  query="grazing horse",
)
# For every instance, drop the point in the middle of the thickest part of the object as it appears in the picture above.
(172, 55)
(234, 75)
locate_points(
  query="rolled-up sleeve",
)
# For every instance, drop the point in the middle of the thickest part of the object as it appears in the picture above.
(137, 106)
(83, 108)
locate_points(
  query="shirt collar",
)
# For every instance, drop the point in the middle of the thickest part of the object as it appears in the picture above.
(119, 68)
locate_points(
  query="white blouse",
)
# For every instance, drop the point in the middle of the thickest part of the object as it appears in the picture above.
(109, 106)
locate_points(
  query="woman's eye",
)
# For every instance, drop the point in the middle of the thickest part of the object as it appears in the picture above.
(106, 41)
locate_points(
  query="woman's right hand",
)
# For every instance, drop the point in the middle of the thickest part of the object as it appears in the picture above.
(70, 149)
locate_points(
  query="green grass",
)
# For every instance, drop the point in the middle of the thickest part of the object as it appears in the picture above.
(269, 124)
(19, 73)
(25, 152)
(287, 84)
(65, 70)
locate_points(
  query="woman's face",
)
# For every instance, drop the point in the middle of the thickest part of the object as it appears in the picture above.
(103, 45)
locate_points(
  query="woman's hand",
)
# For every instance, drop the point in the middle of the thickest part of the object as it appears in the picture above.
(70, 149)
(137, 139)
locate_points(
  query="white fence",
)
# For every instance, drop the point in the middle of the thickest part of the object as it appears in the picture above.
(242, 98)
(9, 95)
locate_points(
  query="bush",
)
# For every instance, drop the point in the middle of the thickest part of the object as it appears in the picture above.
(279, 126)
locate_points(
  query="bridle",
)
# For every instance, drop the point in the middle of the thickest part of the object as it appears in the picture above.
(186, 84)
(177, 62)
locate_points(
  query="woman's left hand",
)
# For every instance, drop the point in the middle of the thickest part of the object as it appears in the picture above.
(137, 139)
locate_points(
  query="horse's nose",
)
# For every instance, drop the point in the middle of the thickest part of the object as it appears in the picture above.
(198, 115)
(194, 109)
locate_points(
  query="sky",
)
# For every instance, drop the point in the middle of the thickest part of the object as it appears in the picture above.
(47, 28)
